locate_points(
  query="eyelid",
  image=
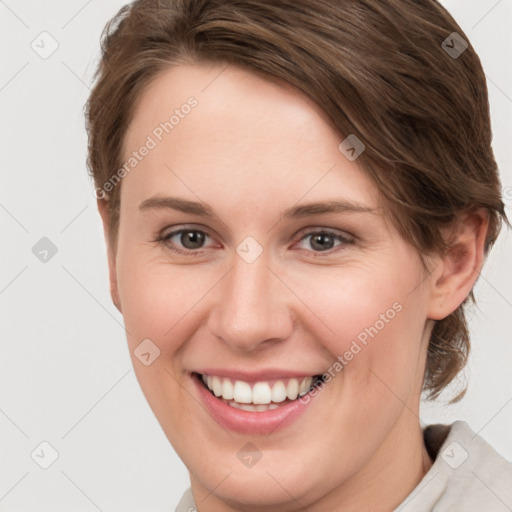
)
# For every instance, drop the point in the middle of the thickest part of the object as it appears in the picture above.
(173, 230)
(346, 236)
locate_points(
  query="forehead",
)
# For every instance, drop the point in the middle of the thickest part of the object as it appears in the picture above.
(222, 128)
(232, 94)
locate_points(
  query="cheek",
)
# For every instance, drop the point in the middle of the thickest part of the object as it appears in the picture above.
(159, 301)
(162, 304)
(368, 319)
(378, 326)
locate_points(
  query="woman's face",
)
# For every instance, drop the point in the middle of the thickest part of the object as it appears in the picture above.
(252, 249)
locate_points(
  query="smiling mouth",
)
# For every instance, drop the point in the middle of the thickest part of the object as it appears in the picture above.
(258, 396)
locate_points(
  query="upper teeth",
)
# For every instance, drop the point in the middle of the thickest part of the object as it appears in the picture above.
(260, 392)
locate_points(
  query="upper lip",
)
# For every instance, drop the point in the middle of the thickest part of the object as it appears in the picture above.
(256, 376)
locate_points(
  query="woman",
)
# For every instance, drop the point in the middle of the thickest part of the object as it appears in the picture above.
(297, 200)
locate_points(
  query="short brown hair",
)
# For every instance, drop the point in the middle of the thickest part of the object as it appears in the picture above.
(377, 69)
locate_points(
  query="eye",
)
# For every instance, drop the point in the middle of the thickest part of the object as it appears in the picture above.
(190, 241)
(323, 241)
(185, 240)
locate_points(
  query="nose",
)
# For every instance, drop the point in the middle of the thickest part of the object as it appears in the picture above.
(251, 308)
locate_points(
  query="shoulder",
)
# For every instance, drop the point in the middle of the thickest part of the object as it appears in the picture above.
(467, 474)
(186, 503)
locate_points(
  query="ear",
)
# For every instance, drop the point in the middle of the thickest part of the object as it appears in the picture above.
(111, 252)
(458, 269)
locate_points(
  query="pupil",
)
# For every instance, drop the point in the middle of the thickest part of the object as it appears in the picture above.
(192, 239)
(322, 242)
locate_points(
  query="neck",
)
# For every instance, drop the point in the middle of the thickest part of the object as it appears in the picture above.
(389, 477)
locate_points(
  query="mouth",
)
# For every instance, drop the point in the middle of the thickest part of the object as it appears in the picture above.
(259, 396)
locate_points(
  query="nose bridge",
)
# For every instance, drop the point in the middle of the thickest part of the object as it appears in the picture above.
(251, 308)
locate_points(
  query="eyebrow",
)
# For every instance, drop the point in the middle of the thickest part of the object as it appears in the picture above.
(175, 203)
(304, 210)
(337, 206)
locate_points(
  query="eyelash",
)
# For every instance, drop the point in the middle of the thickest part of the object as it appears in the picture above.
(164, 239)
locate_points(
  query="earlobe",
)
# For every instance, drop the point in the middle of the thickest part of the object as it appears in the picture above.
(103, 209)
(460, 265)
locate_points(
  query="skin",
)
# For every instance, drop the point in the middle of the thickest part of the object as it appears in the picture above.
(251, 149)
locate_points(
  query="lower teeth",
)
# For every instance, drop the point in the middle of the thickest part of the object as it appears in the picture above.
(251, 407)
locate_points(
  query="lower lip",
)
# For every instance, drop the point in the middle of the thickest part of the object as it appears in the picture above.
(247, 422)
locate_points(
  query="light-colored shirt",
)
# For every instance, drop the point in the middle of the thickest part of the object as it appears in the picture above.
(468, 475)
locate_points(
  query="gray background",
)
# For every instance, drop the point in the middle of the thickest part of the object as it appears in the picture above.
(66, 374)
